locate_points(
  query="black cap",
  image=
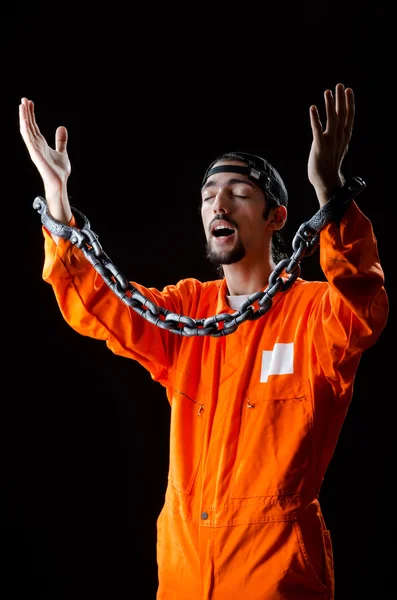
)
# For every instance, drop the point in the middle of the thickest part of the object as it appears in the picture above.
(258, 170)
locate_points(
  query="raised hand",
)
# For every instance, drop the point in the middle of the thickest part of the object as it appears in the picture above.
(52, 164)
(330, 143)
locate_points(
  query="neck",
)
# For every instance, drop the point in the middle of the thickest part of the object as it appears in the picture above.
(247, 279)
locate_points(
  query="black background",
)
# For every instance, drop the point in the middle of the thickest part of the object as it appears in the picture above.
(150, 95)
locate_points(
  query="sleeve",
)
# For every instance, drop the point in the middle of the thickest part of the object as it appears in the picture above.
(353, 309)
(92, 309)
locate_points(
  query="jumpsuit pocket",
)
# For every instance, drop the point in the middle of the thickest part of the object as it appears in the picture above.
(275, 442)
(317, 557)
(187, 426)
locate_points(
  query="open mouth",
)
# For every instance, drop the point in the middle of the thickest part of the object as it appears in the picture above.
(222, 230)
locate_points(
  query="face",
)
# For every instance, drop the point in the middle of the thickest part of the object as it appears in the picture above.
(232, 211)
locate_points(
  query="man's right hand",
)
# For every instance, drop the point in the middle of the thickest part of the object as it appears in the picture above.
(53, 165)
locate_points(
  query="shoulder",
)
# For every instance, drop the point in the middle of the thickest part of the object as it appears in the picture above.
(305, 290)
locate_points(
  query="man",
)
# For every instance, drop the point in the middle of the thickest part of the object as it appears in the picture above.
(255, 414)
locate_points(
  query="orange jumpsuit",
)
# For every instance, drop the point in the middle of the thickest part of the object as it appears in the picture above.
(255, 416)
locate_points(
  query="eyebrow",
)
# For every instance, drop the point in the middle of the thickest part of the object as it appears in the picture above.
(232, 181)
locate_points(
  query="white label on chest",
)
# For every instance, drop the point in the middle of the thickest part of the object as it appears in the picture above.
(279, 361)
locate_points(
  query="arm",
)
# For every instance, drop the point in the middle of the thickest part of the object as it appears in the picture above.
(85, 301)
(354, 310)
(93, 310)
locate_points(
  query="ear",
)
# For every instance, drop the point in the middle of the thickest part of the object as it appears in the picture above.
(278, 217)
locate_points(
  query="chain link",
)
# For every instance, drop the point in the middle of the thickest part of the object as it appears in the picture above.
(304, 244)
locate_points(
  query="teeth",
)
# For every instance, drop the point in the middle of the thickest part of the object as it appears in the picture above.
(222, 227)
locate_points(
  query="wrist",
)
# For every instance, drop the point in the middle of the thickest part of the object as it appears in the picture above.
(325, 192)
(58, 203)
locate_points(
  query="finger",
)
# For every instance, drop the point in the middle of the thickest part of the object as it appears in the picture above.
(35, 127)
(23, 115)
(341, 104)
(24, 128)
(61, 138)
(315, 122)
(28, 111)
(350, 112)
(329, 111)
(24, 123)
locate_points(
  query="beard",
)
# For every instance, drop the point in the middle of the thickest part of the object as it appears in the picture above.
(225, 257)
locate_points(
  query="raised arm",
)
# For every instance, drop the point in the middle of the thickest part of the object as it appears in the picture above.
(354, 311)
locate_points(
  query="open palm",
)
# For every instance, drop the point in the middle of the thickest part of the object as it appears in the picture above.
(52, 164)
(330, 143)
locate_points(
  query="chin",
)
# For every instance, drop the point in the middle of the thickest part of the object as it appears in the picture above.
(227, 257)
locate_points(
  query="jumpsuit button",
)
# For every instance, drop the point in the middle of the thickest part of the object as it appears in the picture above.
(204, 515)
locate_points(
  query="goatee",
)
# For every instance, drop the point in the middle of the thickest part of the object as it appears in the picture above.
(226, 257)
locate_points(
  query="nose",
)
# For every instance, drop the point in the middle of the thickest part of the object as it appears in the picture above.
(222, 202)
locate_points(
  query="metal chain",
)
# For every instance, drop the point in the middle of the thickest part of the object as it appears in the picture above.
(304, 244)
